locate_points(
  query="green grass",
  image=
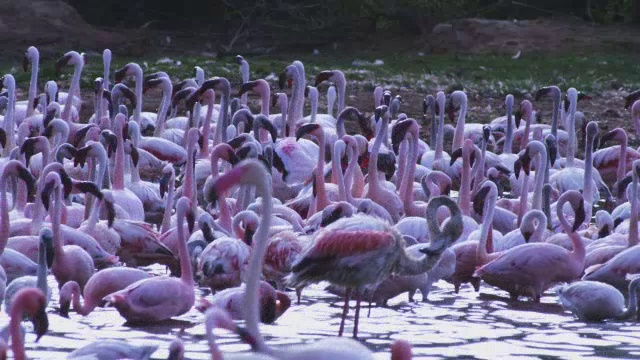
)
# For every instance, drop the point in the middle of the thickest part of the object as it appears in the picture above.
(484, 75)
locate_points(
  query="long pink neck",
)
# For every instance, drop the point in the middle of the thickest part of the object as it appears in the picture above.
(409, 205)
(578, 252)
(524, 196)
(4, 214)
(336, 170)
(622, 162)
(9, 118)
(482, 256)
(633, 220)
(322, 199)
(17, 343)
(166, 218)
(206, 129)
(458, 135)
(118, 176)
(187, 188)
(75, 87)
(341, 86)
(164, 107)
(55, 226)
(588, 176)
(403, 155)
(186, 273)
(33, 85)
(465, 185)
(82, 309)
(374, 182)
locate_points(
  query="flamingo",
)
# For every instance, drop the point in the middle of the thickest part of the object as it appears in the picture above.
(253, 172)
(101, 284)
(596, 301)
(45, 258)
(530, 269)
(161, 297)
(30, 302)
(615, 161)
(113, 349)
(71, 102)
(133, 69)
(70, 262)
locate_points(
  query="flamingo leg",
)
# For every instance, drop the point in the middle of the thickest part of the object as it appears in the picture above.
(357, 317)
(299, 294)
(345, 310)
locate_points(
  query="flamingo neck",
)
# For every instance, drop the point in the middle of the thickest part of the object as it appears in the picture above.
(508, 140)
(186, 272)
(56, 227)
(303, 83)
(524, 195)
(33, 84)
(265, 96)
(97, 105)
(554, 116)
(187, 187)
(464, 198)
(9, 119)
(118, 176)
(322, 199)
(260, 243)
(341, 87)
(4, 214)
(622, 163)
(374, 182)
(336, 170)
(94, 217)
(458, 136)
(166, 216)
(313, 100)
(162, 114)
(402, 167)
(633, 219)
(588, 176)
(527, 130)
(284, 107)
(106, 61)
(206, 130)
(225, 215)
(540, 174)
(440, 137)
(41, 273)
(409, 205)
(17, 342)
(291, 113)
(223, 118)
(632, 304)
(349, 173)
(78, 306)
(572, 136)
(75, 87)
(482, 255)
(578, 252)
(479, 171)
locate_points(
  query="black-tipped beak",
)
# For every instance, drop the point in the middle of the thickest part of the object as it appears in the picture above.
(332, 217)
(631, 98)
(28, 148)
(135, 156)
(129, 94)
(29, 180)
(526, 235)
(111, 212)
(282, 80)
(580, 216)
(64, 309)
(61, 62)
(67, 184)
(306, 129)
(608, 137)
(25, 63)
(80, 134)
(246, 87)
(486, 133)
(398, 134)
(121, 73)
(89, 188)
(542, 93)
(98, 85)
(40, 322)
(323, 76)
(49, 251)
(150, 84)
(517, 166)
(50, 115)
(236, 142)
(457, 153)
(207, 233)
(80, 157)
(479, 199)
(552, 152)
(164, 184)
(3, 138)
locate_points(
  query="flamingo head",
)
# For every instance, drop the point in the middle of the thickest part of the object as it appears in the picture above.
(479, 200)
(552, 91)
(399, 133)
(552, 148)
(323, 76)
(121, 73)
(309, 129)
(631, 98)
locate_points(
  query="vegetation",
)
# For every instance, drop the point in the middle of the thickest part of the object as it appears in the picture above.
(484, 75)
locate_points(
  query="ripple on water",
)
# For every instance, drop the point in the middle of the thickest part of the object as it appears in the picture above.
(468, 324)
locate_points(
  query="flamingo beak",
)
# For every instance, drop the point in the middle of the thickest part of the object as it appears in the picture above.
(3, 138)
(332, 217)
(40, 322)
(479, 200)
(457, 153)
(307, 129)
(323, 76)
(121, 73)
(526, 235)
(111, 212)
(28, 148)
(25, 63)
(61, 62)
(67, 183)
(631, 98)
(246, 87)
(580, 216)
(398, 134)
(164, 184)
(542, 93)
(29, 179)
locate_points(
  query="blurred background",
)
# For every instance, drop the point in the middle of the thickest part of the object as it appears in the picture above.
(260, 26)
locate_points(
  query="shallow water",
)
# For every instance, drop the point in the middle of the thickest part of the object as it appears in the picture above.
(470, 325)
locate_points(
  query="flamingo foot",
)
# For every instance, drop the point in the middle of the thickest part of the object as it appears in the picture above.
(476, 284)
(299, 294)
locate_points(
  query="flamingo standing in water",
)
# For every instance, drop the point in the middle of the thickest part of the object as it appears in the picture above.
(253, 172)
(530, 269)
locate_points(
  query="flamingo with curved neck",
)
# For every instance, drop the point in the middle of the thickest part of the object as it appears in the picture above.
(75, 59)
(32, 302)
(32, 56)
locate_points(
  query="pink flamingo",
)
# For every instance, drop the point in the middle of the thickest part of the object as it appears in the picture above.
(530, 269)
(70, 262)
(615, 161)
(101, 284)
(32, 302)
(161, 297)
(596, 301)
(122, 196)
(253, 172)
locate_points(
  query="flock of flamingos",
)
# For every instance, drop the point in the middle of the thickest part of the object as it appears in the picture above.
(254, 204)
